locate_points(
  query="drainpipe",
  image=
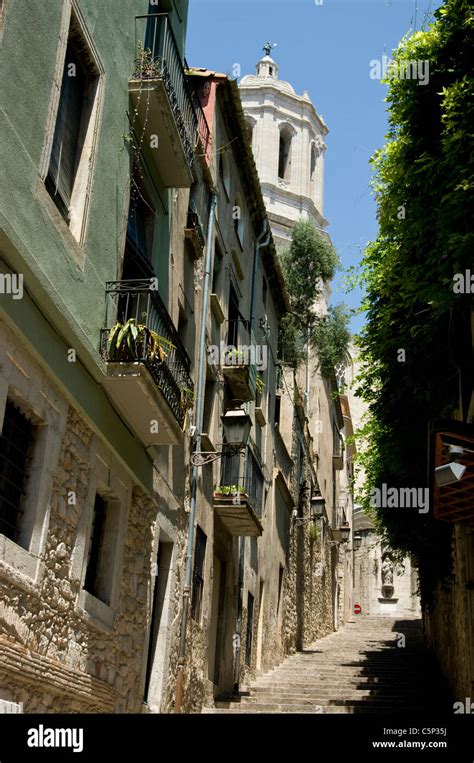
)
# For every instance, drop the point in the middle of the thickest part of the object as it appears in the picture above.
(262, 241)
(199, 408)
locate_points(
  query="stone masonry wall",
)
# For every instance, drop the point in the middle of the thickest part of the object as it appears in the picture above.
(56, 657)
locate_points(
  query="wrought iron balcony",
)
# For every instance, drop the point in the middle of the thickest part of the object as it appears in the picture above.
(240, 360)
(148, 367)
(164, 104)
(239, 495)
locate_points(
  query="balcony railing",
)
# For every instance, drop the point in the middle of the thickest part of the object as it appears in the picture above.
(158, 56)
(139, 300)
(242, 481)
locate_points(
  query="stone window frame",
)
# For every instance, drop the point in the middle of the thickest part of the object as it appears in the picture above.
(28, 387)
(3, 8)
(81, 196)
(109, 480)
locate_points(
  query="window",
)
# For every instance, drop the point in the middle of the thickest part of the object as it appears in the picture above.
(224, 171)
(276, 417)
(140, 232)
(16, 445)
(249, 639)
(237, 214)
(216, 274)
(209, 398)
(284, 156)
(74, 138)
(233, 318)
(102, 549)
(299, 465)
(313, 163)
(198, 573)
(280, 586)
(250, 124)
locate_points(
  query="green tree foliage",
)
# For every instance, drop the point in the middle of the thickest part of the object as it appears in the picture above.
(416, 346)
(311, 260)
(331, 336)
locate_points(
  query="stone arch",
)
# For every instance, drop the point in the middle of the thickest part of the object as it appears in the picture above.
(250, 123)
(285, 146)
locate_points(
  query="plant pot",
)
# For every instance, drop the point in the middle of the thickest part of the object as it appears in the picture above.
(387, 591)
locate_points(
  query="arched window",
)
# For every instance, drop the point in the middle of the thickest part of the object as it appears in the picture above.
(284, 154)
(313, 162)
(250, 124)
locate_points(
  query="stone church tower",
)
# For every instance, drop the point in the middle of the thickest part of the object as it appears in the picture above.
(288, 145)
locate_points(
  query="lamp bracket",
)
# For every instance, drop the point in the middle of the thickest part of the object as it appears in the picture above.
(200, 458)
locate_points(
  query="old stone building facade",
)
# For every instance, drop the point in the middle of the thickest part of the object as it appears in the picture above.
(133, 226)
(287, 137)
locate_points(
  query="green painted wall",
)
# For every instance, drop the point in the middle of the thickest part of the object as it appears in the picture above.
(72, 298)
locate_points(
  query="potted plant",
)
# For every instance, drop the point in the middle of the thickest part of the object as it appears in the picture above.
(132, 341)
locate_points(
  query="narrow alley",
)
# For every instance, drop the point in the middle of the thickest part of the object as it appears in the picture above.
(373, 664)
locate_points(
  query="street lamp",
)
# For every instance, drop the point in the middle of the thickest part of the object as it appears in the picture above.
(357, 541)
(345, 531)
(237, 426)
(317, 506)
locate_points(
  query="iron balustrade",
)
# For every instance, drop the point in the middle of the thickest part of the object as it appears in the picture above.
(241, 478)
(158, 56)
(139, 300)
(242, 349)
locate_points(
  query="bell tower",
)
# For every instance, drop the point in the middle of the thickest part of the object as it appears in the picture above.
(288, 144)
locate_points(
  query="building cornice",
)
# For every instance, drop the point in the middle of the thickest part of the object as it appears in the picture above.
(292, 99)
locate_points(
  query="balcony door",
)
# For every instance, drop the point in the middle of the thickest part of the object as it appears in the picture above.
(233, 318)
(141, 225)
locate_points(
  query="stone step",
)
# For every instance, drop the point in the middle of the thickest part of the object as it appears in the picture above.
(359, 669)
(321, 709)
(335, 691)
(321, 698)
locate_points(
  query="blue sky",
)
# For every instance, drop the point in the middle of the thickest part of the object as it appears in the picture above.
(325, 49)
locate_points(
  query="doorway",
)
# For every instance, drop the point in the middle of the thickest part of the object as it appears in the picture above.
(158, 644)
(217, 625)
(261, 600)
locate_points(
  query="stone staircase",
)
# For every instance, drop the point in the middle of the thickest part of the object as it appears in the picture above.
(358, 669)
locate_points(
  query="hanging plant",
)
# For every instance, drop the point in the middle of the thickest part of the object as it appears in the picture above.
(259, 384)
(186, 404)
(146, 67)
